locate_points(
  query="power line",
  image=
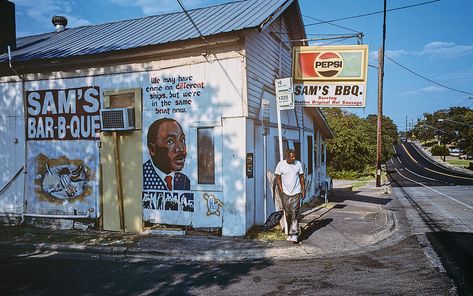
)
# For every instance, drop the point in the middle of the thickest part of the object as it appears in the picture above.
(430, 80)
(192, 21)
(335, 25)
(372, 13)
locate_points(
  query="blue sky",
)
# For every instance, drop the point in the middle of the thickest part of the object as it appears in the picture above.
(434, 40)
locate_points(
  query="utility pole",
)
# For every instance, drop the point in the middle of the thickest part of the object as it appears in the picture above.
(380, 102)
(406, 127)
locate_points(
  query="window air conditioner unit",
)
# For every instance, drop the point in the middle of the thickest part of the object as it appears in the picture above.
(117, 119)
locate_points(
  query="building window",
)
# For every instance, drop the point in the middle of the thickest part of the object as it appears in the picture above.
(315, 154)
(297, 150)
(285, 146)
(324, 147)
(206, 155)
(310, 160)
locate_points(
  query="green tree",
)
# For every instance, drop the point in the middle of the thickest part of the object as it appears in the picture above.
(350, 149)
(389, 135)
(453, 126)
(353, 148)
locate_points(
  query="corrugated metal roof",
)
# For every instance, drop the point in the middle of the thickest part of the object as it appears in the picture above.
(152, 30)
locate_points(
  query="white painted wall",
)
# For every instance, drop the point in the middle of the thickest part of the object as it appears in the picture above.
(264, 50)
(224, 96)
(12, 149)
(234, 178)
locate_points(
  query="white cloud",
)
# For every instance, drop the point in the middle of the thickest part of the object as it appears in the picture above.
(151, 7)
(427, 89)
(41, 12)
(390, 53)
(460, 76)
(446, 49)
(437, 49)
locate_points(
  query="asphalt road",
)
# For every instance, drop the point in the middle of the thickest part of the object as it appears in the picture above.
(439, 205)
(401, 269)
(411, 167)
(434, 259)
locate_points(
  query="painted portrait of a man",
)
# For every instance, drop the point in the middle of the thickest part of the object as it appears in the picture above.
(166, 144)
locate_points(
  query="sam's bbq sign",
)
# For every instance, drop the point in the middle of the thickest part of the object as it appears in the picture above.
(63, 114)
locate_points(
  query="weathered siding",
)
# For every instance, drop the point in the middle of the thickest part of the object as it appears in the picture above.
(262, 53)
(12, 155)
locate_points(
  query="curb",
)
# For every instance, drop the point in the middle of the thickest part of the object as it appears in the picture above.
(296, 251)
(227, 251)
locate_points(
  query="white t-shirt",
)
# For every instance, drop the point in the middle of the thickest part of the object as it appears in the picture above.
(289, 173)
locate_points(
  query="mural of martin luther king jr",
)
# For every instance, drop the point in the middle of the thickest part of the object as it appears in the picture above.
(166, 143)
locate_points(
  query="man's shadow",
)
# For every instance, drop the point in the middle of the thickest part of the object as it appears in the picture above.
(312, 227)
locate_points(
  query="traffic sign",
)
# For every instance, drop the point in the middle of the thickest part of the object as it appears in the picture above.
(284, 93)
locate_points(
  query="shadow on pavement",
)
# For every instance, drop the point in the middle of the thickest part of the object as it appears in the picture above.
(312, 227)
(456, 254)
(340, 196)
(62, 275)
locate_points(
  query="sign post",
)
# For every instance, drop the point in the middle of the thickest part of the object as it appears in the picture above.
(285, 101)
(266, 128)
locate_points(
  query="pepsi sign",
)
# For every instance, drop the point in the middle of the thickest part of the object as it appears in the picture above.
(330, 63)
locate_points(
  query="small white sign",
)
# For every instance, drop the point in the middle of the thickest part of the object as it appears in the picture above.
(265, 111)
(284, 93)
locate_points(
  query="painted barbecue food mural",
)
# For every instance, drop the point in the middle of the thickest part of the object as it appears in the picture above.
(62, 126)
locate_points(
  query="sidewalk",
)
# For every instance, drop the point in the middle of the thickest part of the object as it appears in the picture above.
(349, 223)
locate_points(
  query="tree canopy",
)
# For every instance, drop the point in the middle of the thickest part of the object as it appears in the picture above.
(451, 126)
(353, 147)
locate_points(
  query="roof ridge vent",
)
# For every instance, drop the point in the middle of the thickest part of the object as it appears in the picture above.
(60, 22)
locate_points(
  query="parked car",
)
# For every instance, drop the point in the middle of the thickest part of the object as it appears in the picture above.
(465, 156)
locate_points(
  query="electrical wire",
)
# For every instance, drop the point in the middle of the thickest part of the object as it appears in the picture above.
(430, 80)
(371, 13)
(336, 41)
(335, 25)
(192, 21)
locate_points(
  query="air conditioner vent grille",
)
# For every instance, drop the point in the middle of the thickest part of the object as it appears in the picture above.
(118, 119)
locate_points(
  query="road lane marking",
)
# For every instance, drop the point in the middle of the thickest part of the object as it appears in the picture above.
(415, 161)
(396, 155)
(424, 156)
(445, 174)
(436, 165)
(462, 203)
(431, 179)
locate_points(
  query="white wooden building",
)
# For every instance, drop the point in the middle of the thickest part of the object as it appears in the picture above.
(63, 160)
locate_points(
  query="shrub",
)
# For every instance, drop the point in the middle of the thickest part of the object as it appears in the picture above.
(440, 150)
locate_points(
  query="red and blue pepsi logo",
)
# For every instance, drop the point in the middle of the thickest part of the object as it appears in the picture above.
(320, 64)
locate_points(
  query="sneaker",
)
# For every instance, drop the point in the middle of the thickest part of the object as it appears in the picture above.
(292, 238)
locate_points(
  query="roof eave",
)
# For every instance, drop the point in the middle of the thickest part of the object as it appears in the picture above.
(269, 20)
(119, 56)
(321, 122)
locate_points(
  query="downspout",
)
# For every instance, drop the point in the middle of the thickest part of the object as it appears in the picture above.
(25, 170)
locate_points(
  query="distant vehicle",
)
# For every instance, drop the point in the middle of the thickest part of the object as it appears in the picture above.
(454, 151)
(465, 156)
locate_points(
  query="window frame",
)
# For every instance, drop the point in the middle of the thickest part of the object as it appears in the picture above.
(218, 155)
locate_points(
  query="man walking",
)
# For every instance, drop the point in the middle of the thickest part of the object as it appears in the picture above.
(290, 182)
